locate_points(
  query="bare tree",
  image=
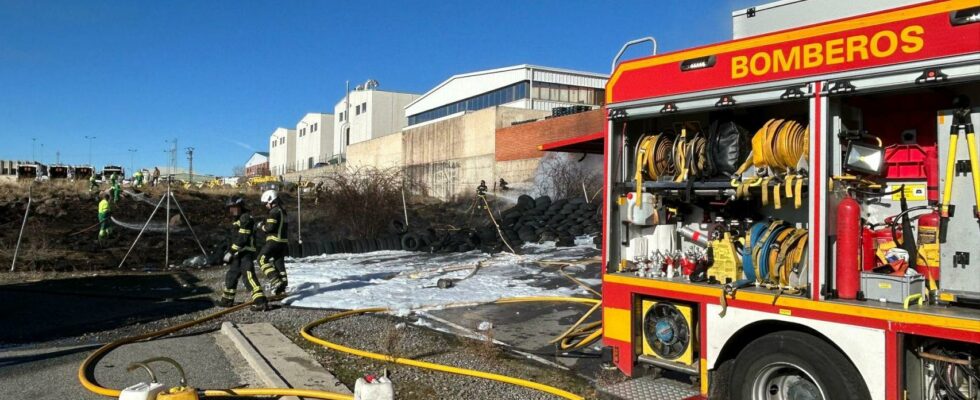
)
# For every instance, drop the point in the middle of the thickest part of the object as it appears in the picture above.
(238, 170)
(562, 175)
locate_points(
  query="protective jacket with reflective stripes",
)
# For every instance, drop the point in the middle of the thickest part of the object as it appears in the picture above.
(275, 225)
(243, 234)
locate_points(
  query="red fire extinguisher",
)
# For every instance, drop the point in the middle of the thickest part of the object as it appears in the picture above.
(848, 248)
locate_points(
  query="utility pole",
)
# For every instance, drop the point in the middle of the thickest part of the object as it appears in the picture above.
(172, 150)
(57, 157)
(190, 163)
(33, 149)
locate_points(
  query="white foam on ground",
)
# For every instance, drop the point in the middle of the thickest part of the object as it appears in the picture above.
(403, 281)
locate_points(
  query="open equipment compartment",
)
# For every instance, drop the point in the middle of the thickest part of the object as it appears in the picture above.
(690, 228)
(911, 128)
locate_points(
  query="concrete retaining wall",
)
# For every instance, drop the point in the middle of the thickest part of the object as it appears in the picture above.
(382, 152)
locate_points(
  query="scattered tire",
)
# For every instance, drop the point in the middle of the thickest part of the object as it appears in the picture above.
(411, 242)
(398, 226)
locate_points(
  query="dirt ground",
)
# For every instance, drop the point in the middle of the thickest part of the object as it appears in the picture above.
(61, 233)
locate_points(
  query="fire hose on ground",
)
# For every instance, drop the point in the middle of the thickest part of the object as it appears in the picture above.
(587, 334)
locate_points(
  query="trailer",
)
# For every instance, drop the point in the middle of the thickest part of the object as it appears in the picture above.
(794, 215)
(82, 172)
(59, 171)
(108, 170)
(31, 171)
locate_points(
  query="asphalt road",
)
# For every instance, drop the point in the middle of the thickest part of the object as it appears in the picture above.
(51, 372)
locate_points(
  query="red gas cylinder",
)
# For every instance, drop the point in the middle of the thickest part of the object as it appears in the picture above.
(848, 248)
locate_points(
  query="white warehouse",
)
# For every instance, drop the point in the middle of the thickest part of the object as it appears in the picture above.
(370, 113)
(528, 87)
(282, 151)
(314, 140)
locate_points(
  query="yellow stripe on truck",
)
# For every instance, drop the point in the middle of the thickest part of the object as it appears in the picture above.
(616, 324)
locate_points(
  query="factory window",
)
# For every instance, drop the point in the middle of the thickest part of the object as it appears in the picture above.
(497, 97)
(357, 109)
(313, 129)
(282, 140)
(364, 107)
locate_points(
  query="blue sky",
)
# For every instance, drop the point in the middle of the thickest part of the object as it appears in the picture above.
(221, 75)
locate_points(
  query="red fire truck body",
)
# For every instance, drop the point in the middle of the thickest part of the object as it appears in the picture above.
(883, 75)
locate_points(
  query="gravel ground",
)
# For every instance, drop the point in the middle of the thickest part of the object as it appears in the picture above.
(379, 332)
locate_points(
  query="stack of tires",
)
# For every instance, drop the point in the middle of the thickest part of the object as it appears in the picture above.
(541, 219)
(531, 220)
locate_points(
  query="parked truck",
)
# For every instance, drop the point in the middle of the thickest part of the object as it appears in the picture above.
(793, 215)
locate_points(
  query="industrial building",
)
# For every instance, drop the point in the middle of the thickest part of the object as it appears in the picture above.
(459, 133)
(282, 151)
(528, 87)
(314, 140)
(367, 113)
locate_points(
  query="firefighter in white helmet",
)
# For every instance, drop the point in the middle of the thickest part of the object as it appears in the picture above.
(276, 247)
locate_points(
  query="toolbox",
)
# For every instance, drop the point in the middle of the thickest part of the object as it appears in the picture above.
(891, 288)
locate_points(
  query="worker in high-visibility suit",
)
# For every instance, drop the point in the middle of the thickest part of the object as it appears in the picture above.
(276, 247)
(105, 216)
(138, 179)
(93, 184)
(114, 183)
(242, 256)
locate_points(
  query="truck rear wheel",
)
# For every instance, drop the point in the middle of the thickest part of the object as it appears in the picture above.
(794, 365)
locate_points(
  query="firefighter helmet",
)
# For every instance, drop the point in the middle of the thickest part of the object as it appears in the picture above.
(269, 196)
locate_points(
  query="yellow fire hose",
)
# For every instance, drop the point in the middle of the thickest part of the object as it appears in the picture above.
(86, 374)
(590, 332)
(305, 332)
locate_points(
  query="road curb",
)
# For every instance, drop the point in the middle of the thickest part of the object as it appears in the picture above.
(278, 361)
(255, 359)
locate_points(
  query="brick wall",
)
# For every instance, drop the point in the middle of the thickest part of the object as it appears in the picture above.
(518, 142)
(257, 170)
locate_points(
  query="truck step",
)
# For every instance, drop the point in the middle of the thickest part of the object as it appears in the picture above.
(651, 388)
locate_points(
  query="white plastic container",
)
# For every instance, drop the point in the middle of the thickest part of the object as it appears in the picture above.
(376, 389)
(142, 391)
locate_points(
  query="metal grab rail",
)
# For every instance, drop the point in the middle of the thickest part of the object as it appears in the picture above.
(631, 43)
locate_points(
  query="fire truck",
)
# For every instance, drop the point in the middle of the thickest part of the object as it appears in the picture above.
(794, 214)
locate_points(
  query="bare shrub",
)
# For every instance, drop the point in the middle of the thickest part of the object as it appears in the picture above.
(563, 176)
(362, 202)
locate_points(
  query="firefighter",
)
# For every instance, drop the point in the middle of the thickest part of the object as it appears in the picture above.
(275, 249)
(93, 184)
(242, 257)
(114, 185)
(105, 215)
(138, 179)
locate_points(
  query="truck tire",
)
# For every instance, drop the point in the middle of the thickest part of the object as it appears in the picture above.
(815, 369)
